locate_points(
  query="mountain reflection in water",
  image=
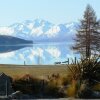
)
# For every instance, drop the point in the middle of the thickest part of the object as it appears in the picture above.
(9, 48)
(39, 53)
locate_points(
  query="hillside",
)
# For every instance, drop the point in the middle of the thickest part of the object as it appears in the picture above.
(10, 40)
(9, 43)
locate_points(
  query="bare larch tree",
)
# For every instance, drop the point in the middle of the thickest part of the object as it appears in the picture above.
(87, 40)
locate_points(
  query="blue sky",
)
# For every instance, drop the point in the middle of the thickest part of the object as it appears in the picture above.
(55, 11)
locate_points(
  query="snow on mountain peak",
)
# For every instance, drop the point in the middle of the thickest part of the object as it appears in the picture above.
(6, 31)
(52, 32)
(39, 30)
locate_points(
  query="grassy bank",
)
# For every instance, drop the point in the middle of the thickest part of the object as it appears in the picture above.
(81, 80)
(35, 70)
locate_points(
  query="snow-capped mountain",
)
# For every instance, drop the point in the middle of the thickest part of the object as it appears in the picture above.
(59, 38)
(41, 31)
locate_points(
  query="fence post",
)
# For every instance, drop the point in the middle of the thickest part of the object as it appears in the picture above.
(24, 63)
(68, 61)
(75, 60)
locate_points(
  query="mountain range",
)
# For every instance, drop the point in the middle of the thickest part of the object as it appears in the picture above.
(51, 42)
(41, 31)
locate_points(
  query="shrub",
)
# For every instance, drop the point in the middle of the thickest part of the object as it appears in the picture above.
(88, 71)
(66, 80)
(40, 88)
(91, 69)
(52, 91)
(71, 89)
(27, 84)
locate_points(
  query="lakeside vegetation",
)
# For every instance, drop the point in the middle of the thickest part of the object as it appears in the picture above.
(81, 80)
(35, 70)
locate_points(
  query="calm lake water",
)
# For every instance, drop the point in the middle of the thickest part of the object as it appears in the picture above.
(38, 53)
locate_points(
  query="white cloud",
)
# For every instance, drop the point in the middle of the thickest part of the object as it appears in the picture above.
(53, 31)
(54, 52)
(6, 31)
(7, 55)
(37, 31)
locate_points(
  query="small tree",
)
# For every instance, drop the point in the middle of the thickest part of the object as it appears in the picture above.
(87, 39)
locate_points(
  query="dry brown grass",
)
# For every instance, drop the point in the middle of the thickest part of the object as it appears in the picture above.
(34, 70)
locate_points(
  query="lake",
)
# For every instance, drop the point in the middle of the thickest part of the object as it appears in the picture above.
(37, 53)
